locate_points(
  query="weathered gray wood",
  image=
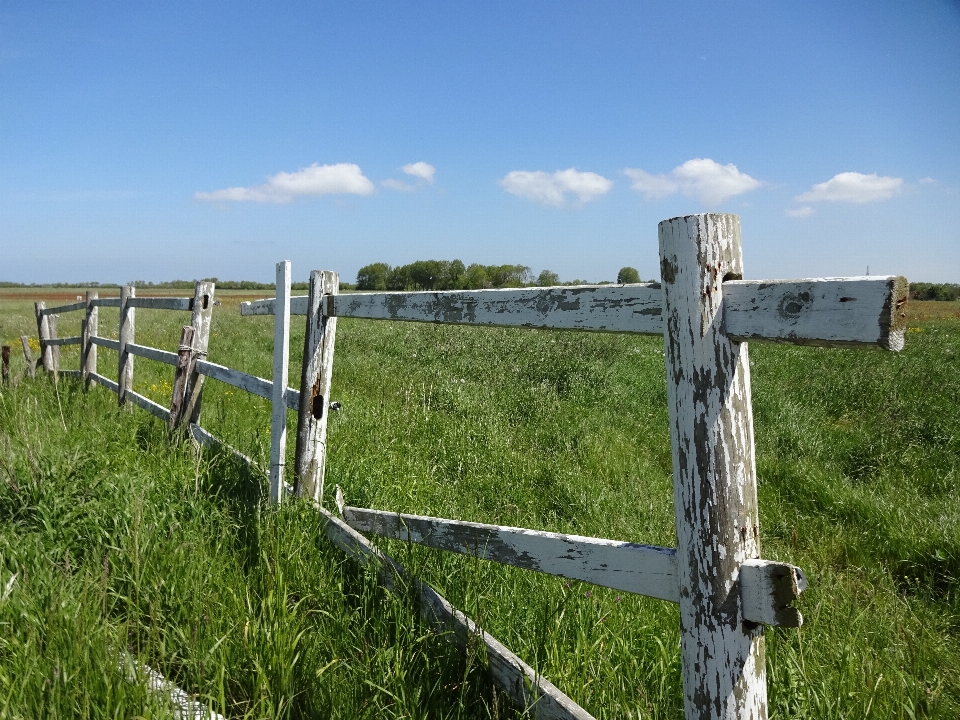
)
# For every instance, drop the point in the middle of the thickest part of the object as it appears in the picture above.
(852, 311)
(281, 358)
(214, 443)
(127, 336)
(28, 356)
(318, 345)
(250, 383)
(184, 358)
(715, 499)
(292, 398)
(106, 382)
(88, 350)
(298, 306)
(151, 353)
(201, 320)
(107, 302)
(57, 342)
(184, 708)
(162, 303)
(65, 308)
(5, 363)
(614, 308)
(522, 684)
(52, 345)
(71, 373)
(767, 590)
(149, 405)
(642, 569)
(106, 342)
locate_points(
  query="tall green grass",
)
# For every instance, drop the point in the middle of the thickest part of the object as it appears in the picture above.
(121, 540)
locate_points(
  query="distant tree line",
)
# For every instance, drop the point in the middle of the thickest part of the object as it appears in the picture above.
(934, 291)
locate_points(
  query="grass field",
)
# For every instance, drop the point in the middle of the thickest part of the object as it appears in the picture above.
(112, 538)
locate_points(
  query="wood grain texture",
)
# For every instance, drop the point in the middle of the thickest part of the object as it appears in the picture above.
(149, 405)
(201, 320)
(88, 350)
(281, 360)
(826, 312)
(767, 590)
(106, 342)
(163, 303)
(298, 306)
(523, 685)
(107, 302)
(641, 569)
(43, 335)
(52, 345)
(57, 342)
(715, 499)
(105, 382)
(151, 353)
(184, 359)
(250, 383)
(28, 356)
(127, 335)
(314, 396)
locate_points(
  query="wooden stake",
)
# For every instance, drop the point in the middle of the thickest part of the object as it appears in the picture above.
(715, 497)
(315, 380)
(185, 362)
(5, 359)
(53, 348)
(281, 358)
(88, 349)
(200, 321)
(127, 335)
(28, 356)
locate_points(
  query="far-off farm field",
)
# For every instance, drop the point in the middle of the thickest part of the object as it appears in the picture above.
(119, 545)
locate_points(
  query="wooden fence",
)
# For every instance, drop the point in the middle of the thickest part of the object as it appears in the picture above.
(705, 312)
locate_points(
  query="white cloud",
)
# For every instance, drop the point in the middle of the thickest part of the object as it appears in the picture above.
(342, 178)
(702, 178)
(422, 170)
(854, 188)
(928, 181)
(551, 188)
(801, 212)
(397, 185)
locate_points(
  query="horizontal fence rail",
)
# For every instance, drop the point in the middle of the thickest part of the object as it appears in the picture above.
(244, 381)
(76, 340)
(152, 353)
(106, 342)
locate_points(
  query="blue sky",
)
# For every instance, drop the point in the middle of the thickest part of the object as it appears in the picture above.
(179, 140)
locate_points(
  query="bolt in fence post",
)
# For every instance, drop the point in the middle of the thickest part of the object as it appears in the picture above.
(200, 320)
(715, 496)
(5, 360)
(43, 334)
(281, 358)
(315, 386)
(127, 335)
(88, 349)
(28, 356)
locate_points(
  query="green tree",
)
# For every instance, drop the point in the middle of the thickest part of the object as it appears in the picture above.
(373, 276)
(628, 275)
(547, 278)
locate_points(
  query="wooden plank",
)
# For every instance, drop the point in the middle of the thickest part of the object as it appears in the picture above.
(28, 356)
(250, 383)
(201, 321)
(853, 311)
(163, 303)
(214, 443)
(65, 308)
(184, 708)
(150, 353)
(127, 336)
(149, 405)
(715, 496)
(281, 358)
(523, 685)
(314, 395)
(88, 350)
(767, 590)
(71, 373)
(52, 347)
(611, 308)
(185, 359)
(298, 306)
(107, 302)
(74, 340)
(106, 382)
(292, 398)
(631, 567)
(106, 342)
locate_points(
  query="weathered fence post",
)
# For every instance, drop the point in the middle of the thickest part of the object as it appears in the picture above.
(28, 356)
(315, 386)
(5, 363)
(127, 335)
(43, 334)
(198, 343)
(54, 349)
(715, 497)
(185, 363)
(281, 357)
(88, 349)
